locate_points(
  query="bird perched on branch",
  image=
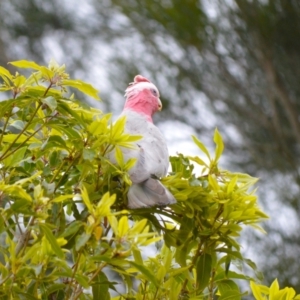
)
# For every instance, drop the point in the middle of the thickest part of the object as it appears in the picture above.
(151, 152)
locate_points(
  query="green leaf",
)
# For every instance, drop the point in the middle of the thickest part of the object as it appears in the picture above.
(15, 158)
(181, 254)
(81, 240)
(56, 140)
(232, 295)
(227, 285)
(89, 154)
(250, 263)
(231, 274)
(18, 124)
(82, 280)
(71, 133)
(54, 288)
(83, 87)
(26, 295)
(100, 287)
(25, 64)
(22, 206)
(72, 228)
(53, 157)
(235, 254)
(16, 191)
(203, 270)
(201, 146)
(146, 272)
(52, 240)
(50, 102)
(39, 91)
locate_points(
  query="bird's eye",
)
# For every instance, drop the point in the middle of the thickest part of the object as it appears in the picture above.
(154, 92)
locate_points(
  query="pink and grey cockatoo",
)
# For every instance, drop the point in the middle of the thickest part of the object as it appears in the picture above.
(151, 152)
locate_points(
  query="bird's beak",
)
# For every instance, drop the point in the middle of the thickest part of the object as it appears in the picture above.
(159, 105)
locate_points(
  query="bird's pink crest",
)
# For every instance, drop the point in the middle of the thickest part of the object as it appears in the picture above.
(137, 79)
(140, 78)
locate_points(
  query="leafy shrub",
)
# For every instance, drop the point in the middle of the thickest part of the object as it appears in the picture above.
(262, 292)
(65, 230)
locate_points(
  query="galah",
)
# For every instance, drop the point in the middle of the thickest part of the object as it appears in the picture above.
(150, 152)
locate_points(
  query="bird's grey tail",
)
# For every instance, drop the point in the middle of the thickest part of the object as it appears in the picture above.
(149, 193)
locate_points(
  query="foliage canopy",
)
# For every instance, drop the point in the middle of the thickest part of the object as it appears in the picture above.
(65, 229)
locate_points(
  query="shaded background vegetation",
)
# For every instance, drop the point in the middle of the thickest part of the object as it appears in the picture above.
(232, 64)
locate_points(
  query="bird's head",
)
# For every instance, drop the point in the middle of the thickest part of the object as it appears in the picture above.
(142, 96)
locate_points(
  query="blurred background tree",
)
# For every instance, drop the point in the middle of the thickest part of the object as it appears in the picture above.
(232, 64)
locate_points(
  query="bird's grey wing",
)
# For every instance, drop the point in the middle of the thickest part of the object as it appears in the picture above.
(149, 193)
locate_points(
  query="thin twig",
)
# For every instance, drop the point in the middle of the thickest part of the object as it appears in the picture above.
(66, 172)
(74, 272)
(5, 125)
(19, 135)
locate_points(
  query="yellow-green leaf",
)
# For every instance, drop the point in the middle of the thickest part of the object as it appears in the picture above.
(86, 199)
(201, 146)
(213, 182)
(53, 65)
(62, 198)
(119, 156)
(232, 184)
(15, 158)
(52, 240)
(137, 256)
(9, 138)
(5, 73)
(256, 291)
(48, 74)
(83, 87)
(19, 80)
(123, 226)
(219, 144)
(118, 127)
(103, 207)
(198, 160)
(25, 64)
(274, 289)
(16, 191)
(146, 272)
(138, 226)
(130, 163)
(51, 102)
